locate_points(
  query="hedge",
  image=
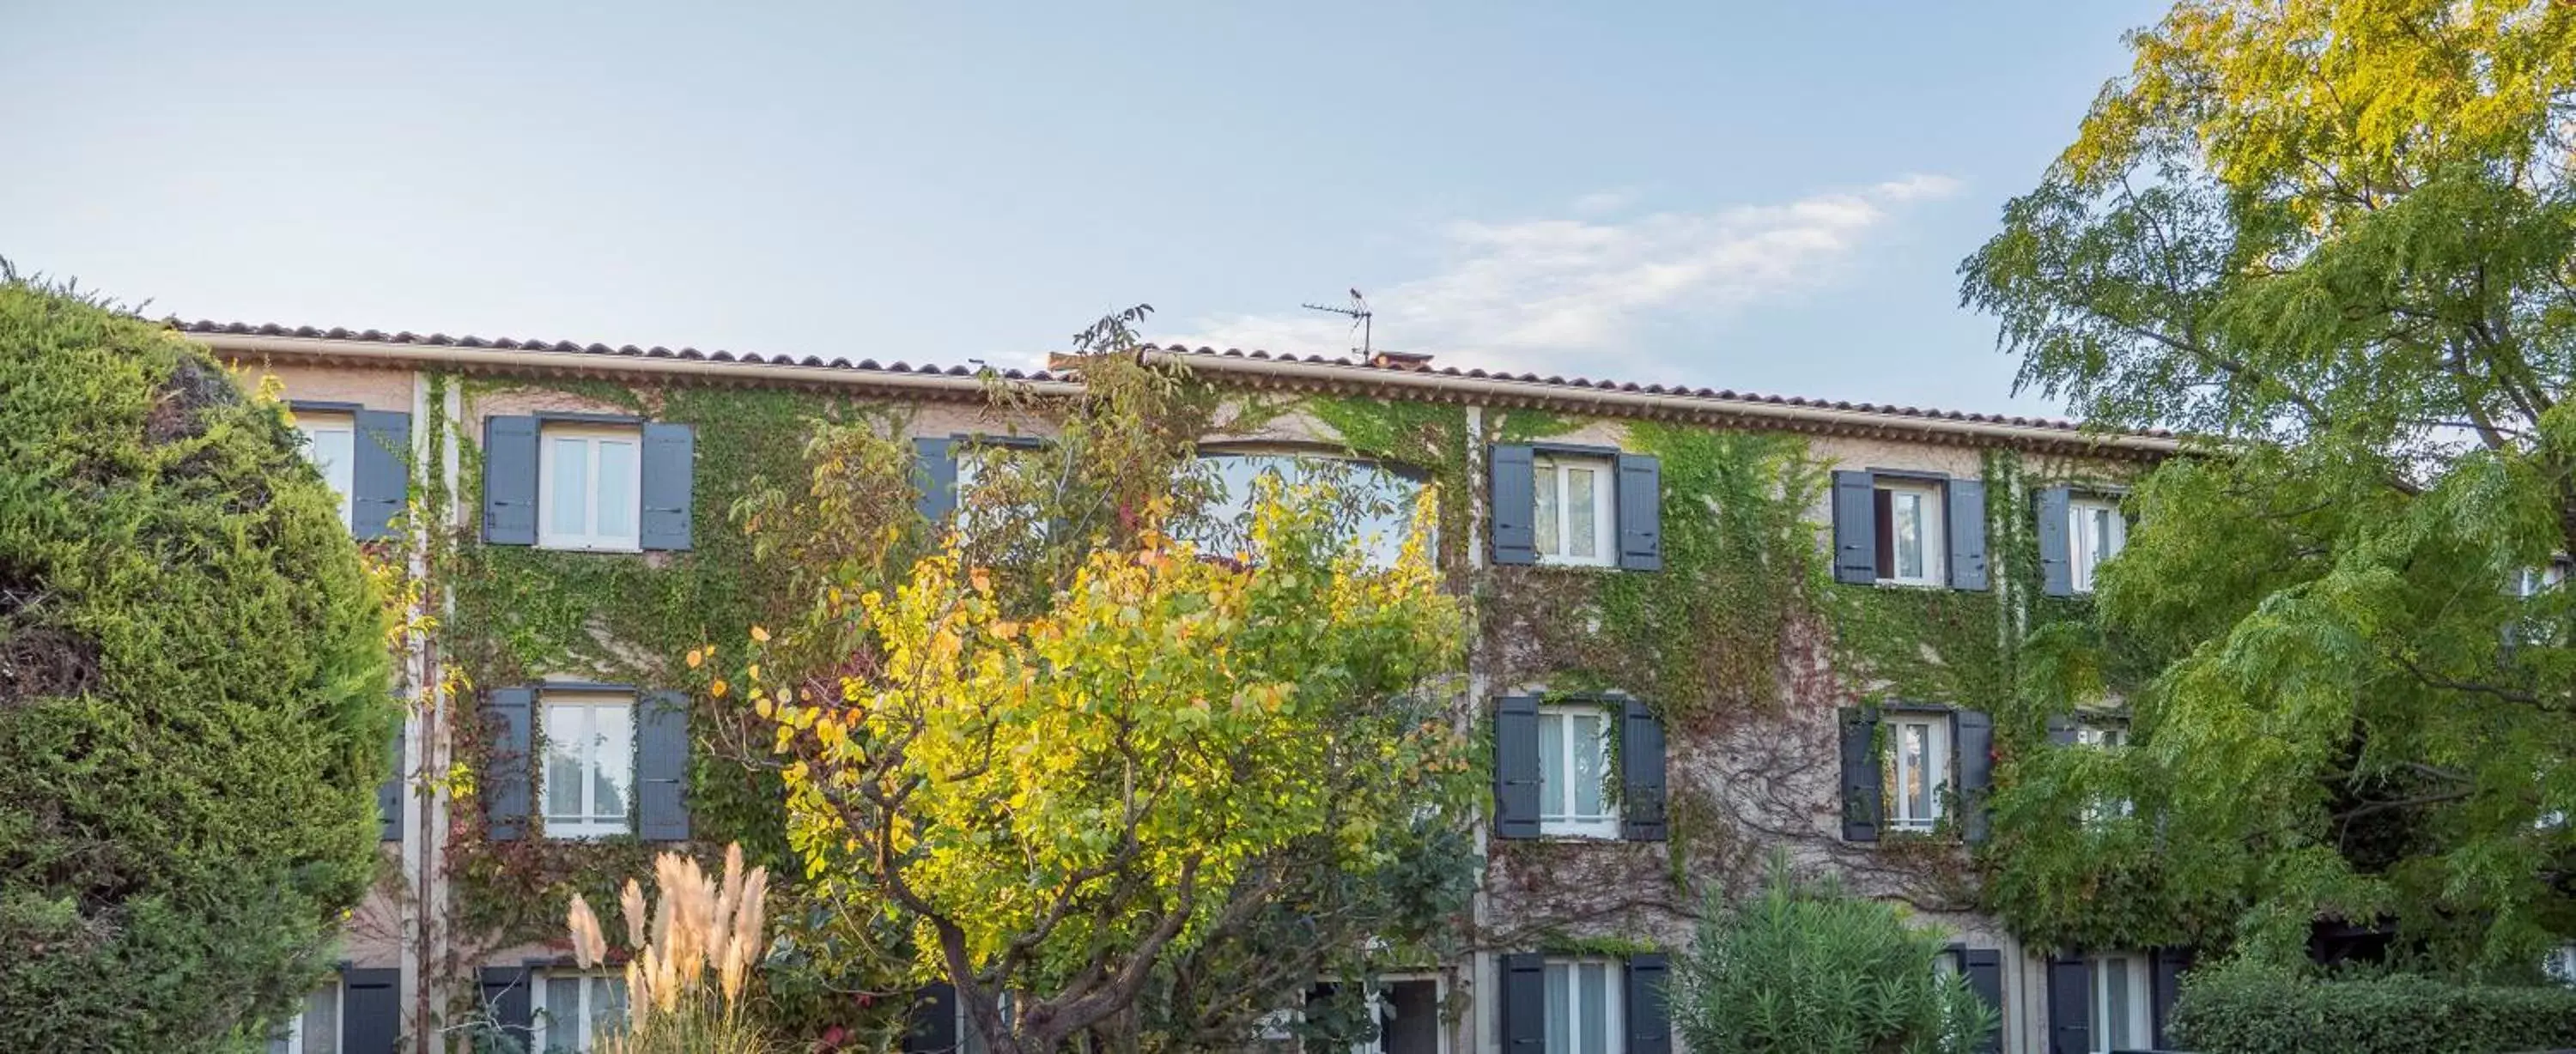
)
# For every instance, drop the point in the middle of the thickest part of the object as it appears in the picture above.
(2245, 1009)
(194, 700)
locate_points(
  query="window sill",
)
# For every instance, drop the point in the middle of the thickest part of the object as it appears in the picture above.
(1579, 830)
(577, 833)
(1911, 583)
(566, 547)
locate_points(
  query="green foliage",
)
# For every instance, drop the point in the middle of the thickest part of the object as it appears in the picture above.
(194, 702)
(1806, 968)
(2247, 1008)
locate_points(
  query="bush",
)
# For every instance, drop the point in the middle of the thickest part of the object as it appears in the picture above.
(1805, 968)
(2242, 1008)
(193, 692)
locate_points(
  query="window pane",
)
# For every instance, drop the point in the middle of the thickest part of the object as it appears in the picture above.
(1560, 1033)
(563, 1013)
(618, 503)
(607, 1005)
(567, 730)
(1585, 781)
(568, 466)
(1594, 998)
(612, 761)
(1551, 764)
(1908, 514)
(1551, 512)
(1914, 750)
(1582, 532)
(2115, 998)
(333, 455)
(322, 1021)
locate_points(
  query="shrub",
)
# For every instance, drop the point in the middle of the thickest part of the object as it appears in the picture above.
(1805, 968)
(193, 692)
(2244, 1008)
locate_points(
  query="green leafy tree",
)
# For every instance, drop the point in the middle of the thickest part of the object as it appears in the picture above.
(1804, 968)
(2332, 238)
(193, 692)
(1120, 791)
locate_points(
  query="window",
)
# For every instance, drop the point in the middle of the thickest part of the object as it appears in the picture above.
(970, 1041)
(992, 495)
(1918, 769)
(1575, 518)
(1911, 546)
(1573, 772)
(590, 488)
(2096, 532)
(330, 442)
(2561, 965)
(1377, 500)
(1583, 1006)
(576, 1010)
(2121, 1018)
(315, 1030)
(2104, 737)
(589, 774)
(1407, 1010)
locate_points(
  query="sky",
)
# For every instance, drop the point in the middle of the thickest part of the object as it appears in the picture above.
(1764, 197)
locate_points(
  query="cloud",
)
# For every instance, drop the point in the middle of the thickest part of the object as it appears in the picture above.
(1544, 294)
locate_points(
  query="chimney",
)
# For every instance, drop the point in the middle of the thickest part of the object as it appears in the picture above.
(1408, 361)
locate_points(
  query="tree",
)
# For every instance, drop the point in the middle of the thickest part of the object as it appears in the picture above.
(2331, 239)
(193, 692)
(1805, 967)
(1120, 790)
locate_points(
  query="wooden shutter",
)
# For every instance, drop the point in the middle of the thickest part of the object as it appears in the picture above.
(506, 993)
(509, 481)
(506, 784)
(1862, 796)
(934, 1021)
(1650, 1027)
(1523, 1006)
(662, 767)
(2070, 1004)
(1516, 767)
(670, 481)
(2166, 987)
(1967, 531)
(1855, 528)
(1975, 739)
(389, 795)
(934, 471)
(1641, 513)
(1641, 773)
(1513, 469)
(379, 473)
(370, 1011)
(1984, 969)
(2056, 567)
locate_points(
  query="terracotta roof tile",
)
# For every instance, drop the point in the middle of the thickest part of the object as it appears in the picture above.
(205, 327)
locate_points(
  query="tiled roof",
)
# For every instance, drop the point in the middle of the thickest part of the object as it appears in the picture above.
(203, 327)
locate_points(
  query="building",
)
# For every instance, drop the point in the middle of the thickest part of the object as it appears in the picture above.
(1765, 625)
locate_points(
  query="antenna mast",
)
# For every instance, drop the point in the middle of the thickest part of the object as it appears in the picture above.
(1360, 315)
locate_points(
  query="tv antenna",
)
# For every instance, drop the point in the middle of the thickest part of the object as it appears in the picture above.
(1359, 315)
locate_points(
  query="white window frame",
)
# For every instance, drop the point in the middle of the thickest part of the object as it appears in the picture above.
(294, 1037)
(2560, 965)
(1933, 528)
(970, 1041)
(1555, 796)
(315, 424)
(1377, 1009)
(589, 540)
(590, 826)
(1614, 990)
(2107, 737)
(2142, 1025)
(1549, 470)
(2086, 547)
(1937, 763)
(582, 1022)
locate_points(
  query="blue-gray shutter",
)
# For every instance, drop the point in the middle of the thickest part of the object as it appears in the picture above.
(506, 780)
(2063, 729)
(370, 1011)
(670, 481)
(1514, 471)
(1516, 767)
(662, 767)
(933, 1020)
(506, 993)
(1523, 1006)
(2167, 987)
(1976, 743)
(1984, 968)
(379, 473)
(1641, 773)
(1967, 531)
(389, 795)
(934, 471)
(1855, 527)
(1862, 795)
(1650, 1024)
(2056, 567)
(509, 481)
(1641, 513)
(2070, 1004)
